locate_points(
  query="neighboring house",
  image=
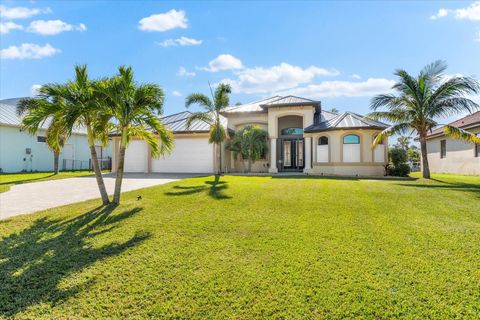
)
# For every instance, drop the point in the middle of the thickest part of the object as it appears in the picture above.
(20, 151)
(448, 155)
(302, 138)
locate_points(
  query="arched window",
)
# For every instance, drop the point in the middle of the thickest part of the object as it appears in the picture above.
(323, 141)
(323, 150)
(379, 151)
(351, 139)
(291, 131)
(351, 148)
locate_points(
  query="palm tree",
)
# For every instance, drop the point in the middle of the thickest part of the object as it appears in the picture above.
(421, 101)
(403, 142)
(212, 115)
(39, 111)
(134, 109)
(80, 108)
(251, 143)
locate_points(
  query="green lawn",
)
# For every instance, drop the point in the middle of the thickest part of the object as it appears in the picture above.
(252, 248)
(10, 179)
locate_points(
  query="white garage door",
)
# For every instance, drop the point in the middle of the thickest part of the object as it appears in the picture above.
(136, 157)
(188, 155)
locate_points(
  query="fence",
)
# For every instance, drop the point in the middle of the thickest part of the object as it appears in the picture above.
(77, 165)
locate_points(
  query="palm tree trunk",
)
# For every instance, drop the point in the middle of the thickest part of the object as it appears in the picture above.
(120, 170)
(96, 168)
(56, 155)
(425, 166)
(220, 158)
(249, 165)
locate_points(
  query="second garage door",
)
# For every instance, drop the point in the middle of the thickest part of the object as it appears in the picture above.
(136, 157)
(189, 155)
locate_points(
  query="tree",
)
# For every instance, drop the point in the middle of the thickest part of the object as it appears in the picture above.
(131, 111)
(334, 110)
(421, 100)
(211, 115)
(412, 154)
(403, 142)
(79, 108)
(251, 143)
(35, 113)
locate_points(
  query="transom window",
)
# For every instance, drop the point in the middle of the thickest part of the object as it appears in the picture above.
(292, 131)
(323, 141)
(351, 139)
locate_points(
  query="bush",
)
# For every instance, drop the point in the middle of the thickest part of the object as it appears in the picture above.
(397, 156)
(400, 170)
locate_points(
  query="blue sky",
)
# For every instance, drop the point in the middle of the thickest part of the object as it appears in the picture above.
(341, 53)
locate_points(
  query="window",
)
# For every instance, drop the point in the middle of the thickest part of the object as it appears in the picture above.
(379, 151)
(477, 148)
(291, 131)
(323, 141)
(351, 148)
(351, 139)
(443, 148)
(41, 139)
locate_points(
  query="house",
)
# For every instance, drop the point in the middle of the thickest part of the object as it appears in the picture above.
(20, 151)
(448, 155)
(302, 138)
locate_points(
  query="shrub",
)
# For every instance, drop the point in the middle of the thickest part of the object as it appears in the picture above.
(400, 170)
(397, 156)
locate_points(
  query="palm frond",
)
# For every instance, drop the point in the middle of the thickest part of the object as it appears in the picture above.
(434, 70)
(218, 134)
(460, 134)
(200, 99)
(222, 96)
(199, 116)
(400, 128)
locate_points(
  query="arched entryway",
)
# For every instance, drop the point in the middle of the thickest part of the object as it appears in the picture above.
(291, 145)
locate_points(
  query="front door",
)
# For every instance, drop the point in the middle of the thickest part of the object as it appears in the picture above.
(292, 151)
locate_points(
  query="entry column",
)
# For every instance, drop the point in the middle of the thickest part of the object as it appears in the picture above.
(273, 156)
(308, 155)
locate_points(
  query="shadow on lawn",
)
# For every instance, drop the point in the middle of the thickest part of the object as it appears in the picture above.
(445, 185)
(25, 180)
(214, 188)
(34, 261)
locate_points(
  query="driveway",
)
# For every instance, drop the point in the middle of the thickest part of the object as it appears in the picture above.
(31, 197)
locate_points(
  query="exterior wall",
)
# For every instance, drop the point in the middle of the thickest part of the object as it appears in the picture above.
(460, 158)
(336, 165)
(13, 143)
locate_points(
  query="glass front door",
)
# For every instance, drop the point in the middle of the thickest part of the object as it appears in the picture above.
(292, 155)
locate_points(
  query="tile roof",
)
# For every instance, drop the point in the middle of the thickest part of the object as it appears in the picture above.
(346, 120)
(472, 120)
(9, 116)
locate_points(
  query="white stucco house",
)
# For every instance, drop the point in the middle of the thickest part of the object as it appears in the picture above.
(302, 138)
(20, 151)
(448, 155)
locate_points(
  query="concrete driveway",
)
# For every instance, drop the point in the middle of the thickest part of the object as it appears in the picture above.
(31, 197)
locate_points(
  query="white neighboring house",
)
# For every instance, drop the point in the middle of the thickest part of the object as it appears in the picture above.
(302, 138)
(20, 151)
(448, 155)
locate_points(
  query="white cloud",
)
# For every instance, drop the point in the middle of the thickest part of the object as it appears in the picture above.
(477, 37)
(34, 89)
(370, 87)
(224, 62)
(356, 76)
(182, 41)
(164, 21)
(471, 12)
(5, 27)
(276, 78)
(176, 93)
(182, 72)
(52, 27)
(21, 12)
(28, 51)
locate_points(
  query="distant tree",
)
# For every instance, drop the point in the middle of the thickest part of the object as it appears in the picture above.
(423, 99)
(403, 142)
(413, 154)
(211, 115)
(238, 103)
(334, 110)
(249, 142)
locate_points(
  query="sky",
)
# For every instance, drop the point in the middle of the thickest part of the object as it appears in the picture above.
(341, 53)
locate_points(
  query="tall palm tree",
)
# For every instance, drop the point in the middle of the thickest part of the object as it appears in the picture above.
(133, 109)
(249, 142)
(421, 101)
(80, 108)
(211, 115)
(35, 113)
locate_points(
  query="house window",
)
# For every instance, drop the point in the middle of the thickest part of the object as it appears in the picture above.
(291, 131)
(351, 148)
(379, 151)
(322, 150)
(443, 148)
(477, 148)
(41, 139)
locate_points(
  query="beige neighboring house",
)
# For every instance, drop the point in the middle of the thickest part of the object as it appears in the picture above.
(448, 155)
(302, 138)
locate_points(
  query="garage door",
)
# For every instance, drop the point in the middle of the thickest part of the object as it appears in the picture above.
(188, 155)
(136, 157)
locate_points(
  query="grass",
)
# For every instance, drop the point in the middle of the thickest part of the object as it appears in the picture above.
(252, 248)
(9, 179)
